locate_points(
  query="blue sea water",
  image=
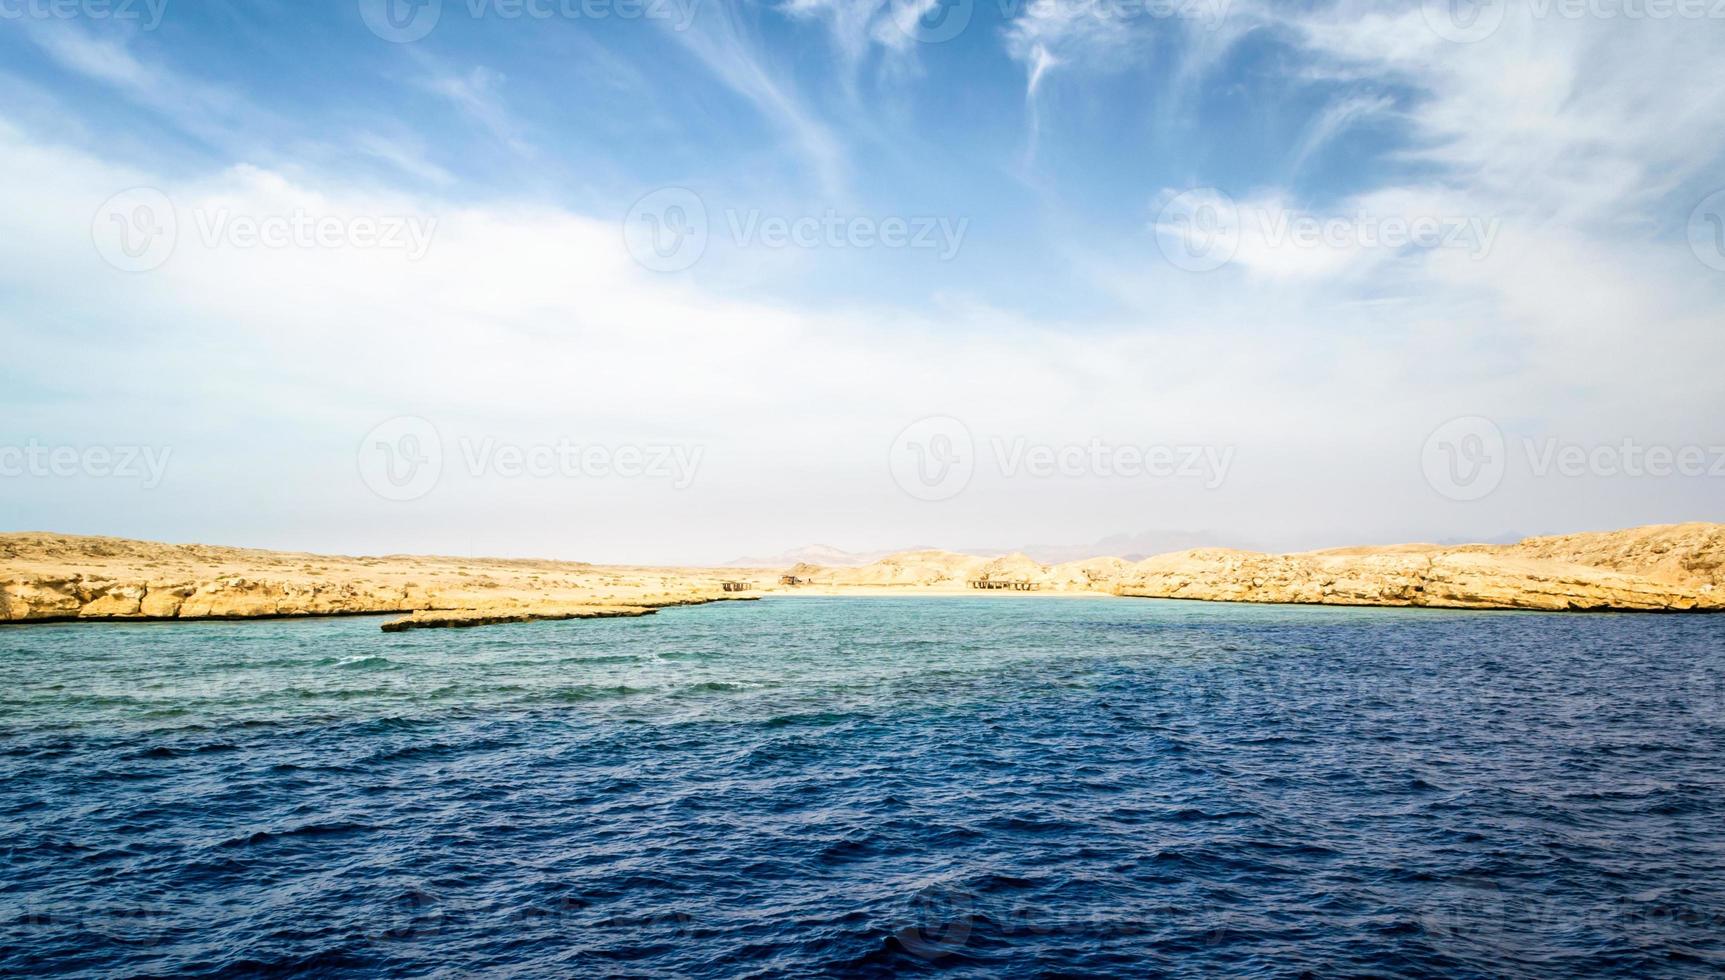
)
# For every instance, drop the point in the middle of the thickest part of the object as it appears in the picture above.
(977, 787)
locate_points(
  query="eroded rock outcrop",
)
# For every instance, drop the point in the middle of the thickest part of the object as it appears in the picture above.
(47, 577)
(1464, 579)
(1661, 568)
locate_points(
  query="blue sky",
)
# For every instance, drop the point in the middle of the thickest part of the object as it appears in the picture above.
(1054, 152)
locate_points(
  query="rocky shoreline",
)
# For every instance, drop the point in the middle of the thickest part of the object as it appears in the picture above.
(46, 578)
(61, 578)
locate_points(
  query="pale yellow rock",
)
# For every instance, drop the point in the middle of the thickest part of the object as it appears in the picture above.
(1667, 567)
(119, 602)
(47, 598)
(505, 613)
(1616, 570)
(61, 577)
(163, 601)
(57, 577)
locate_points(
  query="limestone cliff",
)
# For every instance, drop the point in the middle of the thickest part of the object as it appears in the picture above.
(45, 577)
(49, 577)
(1666, 567)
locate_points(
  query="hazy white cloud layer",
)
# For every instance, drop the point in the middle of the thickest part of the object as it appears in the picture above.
(1563, 301)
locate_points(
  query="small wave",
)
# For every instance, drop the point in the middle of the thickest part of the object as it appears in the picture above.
(581, 693)
(181, 751)
(308, 830)
(1194, 814)
(393, 723)
(163, 713)
(719, 687)
(816, 719)
(364, 663)
(331, 960)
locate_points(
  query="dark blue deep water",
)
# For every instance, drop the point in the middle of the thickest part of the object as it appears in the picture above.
(986, 787)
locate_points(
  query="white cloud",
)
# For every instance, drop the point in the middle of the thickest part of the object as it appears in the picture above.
(478, 92)
(209, 111)
(1581, 120)
(1045, 27)
(1336, 119)
(1325, 368)
(532, 322)
(723, 41)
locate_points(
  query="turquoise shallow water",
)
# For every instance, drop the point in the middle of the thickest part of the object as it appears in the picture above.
(988, 786)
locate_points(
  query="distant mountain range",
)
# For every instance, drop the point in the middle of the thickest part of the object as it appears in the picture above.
(1132, 547)
(817, 554)
(1135, 547)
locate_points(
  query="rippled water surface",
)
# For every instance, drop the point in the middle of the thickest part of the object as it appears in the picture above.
(983, 786)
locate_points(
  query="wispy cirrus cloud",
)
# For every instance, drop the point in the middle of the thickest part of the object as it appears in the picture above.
(724, 41)
(1578, 118)
(478, 93)
(211, 112)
